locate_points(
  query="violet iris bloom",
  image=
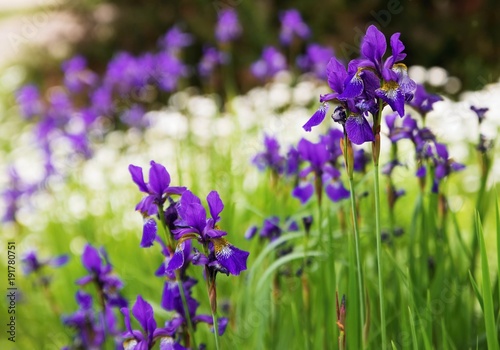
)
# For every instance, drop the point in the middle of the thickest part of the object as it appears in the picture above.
(315, 60)
(101, 273)
(28, 99)
(292, 24)
(91, 327)
(14, 193)
(194, 224)
(228, 28)
(158, 190)
(76, 74)
(32, 264)
(150, 334)
(271, 62)
(210, 60)
(480, 112)
(423, 101)
(270, 157)
(175, 39)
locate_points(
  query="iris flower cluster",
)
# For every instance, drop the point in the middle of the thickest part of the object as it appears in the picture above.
(184, 221)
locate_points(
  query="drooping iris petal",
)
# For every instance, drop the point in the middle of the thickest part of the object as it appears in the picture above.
(353, 86)
(359, 130)
(230, 257)
(303, 192)
(59, 260)
(159, 178)
(316, 118)
(179, 257)
(336, 191)
(391, 93)
(149, 230)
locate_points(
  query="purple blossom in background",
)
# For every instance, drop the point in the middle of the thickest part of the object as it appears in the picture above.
(134, 117)
(270, 157)
(32, 264)
(168, 69)
(158, 190)
(76, 74)
(175, 39)
(480, 113)
(91, 327)
(228, 28)
(423, 101)
(102, 102)
(211, 59)
(101, 274)
(12, 196)
(292, 24)
(271, 62)
(315, 60)
(28, 99)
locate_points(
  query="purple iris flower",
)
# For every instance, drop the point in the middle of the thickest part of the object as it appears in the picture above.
(271, 62)
(175, 39)
(480, 112)
(292, 24)
(270, 157)
(134, 117)
(150, 334)
(102, 102)
(126, 72)
(228, 28)
(315, 60)
(423, 101)
(32, 264)
(14, 193)
(101, 274)
(76, 74)
(91, 327)
(397, 87)
(29, 101)
(167, 71)
(210, 60)
(194, 224)
(158, 190)
(292, 162)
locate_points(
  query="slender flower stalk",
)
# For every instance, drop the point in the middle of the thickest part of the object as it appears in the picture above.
(378, 233)
(349, 165)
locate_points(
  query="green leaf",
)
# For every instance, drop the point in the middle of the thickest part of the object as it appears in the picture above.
(476, 291)
(489, 317)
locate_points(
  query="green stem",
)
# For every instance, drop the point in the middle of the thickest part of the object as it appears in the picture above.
(376, 153)
(379, 258)
(358, 255)
(170, 246)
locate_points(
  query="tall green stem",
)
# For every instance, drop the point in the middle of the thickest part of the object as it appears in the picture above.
(349, 165)
(170, 244)
(376, 154)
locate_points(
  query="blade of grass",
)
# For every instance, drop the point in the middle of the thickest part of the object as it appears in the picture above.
(489, 317)
(476, 291)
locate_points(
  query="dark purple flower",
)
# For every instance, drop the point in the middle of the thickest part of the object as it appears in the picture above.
(32, 264)
(228, 28)
(271, 62)
(336, 191)
(270, 157)
(158, 190)
(480, 112)
(292, 24)
(101, 274)
(424, 101)
(304, 191)
(150, 334)
(175, 39)
(316, 118)
(359, 130)
(210, 60)
(292, 162)
(194, 224)
(315, 60)
(168, 69)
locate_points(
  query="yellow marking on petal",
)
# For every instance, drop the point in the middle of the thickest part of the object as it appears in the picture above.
(222, 247)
